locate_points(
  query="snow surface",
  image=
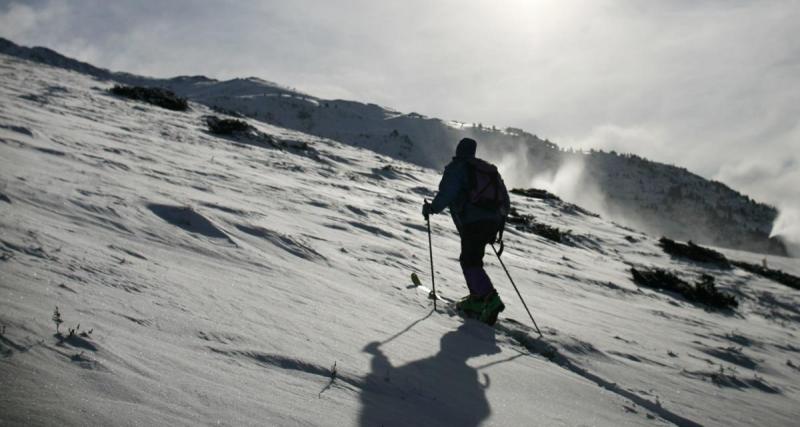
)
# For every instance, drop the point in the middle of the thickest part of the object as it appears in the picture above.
(231, 282)
(650, 196)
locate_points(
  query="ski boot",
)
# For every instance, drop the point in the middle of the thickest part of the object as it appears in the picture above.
(471, 305)
(492, 306)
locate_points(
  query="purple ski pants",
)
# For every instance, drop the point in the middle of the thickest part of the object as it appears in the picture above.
(474, 238)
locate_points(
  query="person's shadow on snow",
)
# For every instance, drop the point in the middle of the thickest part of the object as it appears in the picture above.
(440, 390)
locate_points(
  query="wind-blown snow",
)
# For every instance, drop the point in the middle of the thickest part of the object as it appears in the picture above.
(227, 282)
(788, 224)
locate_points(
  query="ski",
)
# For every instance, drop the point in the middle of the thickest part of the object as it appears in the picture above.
(450, 304)
(431, 295)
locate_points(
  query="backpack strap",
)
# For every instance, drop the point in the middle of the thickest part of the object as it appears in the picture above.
(502, 248)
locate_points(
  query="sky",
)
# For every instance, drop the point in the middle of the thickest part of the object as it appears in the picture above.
(713, 86)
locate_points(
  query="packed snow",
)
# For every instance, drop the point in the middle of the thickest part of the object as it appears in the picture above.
(233, 281)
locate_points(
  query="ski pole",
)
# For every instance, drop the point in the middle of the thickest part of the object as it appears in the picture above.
(515, 288)
(430, 250)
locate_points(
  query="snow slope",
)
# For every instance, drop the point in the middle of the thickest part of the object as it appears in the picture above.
(659, 198)
(231, 282)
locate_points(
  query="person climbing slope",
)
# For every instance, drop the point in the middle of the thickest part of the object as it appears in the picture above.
(478, 200)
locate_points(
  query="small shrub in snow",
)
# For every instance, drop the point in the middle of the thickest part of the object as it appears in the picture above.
(152, 95)
(57, 319)
(527, 223)
(535, 193)
(226, 111)
(728, 377)
(776, 275)
(657, 279)
(73, 332)
(227, 126)
(553, 233)
(720, 378)
(703, 292)
(243, 132)
(693, 252)
(333, 375)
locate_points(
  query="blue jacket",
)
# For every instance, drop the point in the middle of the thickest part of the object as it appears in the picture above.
(452, 194)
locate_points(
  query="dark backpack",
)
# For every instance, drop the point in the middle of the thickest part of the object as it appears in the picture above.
(486, 187)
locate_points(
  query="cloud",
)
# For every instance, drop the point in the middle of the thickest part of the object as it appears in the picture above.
(19, 19)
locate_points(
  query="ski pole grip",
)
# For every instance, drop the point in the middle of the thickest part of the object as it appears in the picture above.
(426, 208)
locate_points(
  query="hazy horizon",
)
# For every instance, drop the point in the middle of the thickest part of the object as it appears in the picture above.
(708, 85)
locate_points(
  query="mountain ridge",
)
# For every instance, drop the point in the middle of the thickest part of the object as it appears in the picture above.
(655, 197)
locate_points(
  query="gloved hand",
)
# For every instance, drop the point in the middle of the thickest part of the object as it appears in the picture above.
(426, 210)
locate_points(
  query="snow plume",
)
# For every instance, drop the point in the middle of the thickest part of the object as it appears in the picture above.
(772, 177)
(787, 227)
(569, 180)
(571, 183)
(515, 167)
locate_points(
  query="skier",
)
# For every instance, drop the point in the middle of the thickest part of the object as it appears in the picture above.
(478, 202)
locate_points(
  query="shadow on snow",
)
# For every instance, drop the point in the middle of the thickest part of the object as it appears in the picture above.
(438, 390)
